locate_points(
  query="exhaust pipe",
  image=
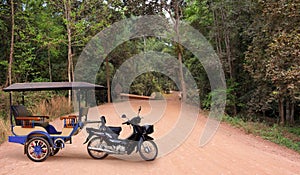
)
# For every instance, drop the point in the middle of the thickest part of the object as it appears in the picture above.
(102, 149)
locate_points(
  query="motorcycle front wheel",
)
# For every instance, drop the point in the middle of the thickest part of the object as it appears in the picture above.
(148, 150)
(93, 145)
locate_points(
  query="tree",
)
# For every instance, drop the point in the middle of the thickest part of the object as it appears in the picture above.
(230, 20)
(273, 56)
(11, 54)
(175, 13)
(223, 23)
(283, 69)
(141, 7)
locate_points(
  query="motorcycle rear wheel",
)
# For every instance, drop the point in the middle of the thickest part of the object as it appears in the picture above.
(148, 150)
(97, 143)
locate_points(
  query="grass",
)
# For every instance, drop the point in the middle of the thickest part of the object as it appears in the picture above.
(282, 135)
(54, 108)
(4, 130)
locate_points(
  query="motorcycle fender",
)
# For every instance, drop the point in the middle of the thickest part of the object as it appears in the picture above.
(148, 137)
(92, 132)
(88, 138)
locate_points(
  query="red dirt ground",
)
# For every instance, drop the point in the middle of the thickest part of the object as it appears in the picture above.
(229, 152)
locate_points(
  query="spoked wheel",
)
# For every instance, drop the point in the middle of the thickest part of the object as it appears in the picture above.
(148, 150)
(92, 148)
(38, 149)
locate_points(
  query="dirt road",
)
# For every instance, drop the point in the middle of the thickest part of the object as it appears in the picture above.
(229, 152)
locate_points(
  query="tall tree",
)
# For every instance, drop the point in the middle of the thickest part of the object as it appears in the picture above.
(273, 56)
(5, 23)
(68, 11)
(175, 13)
(11, 54)
(223, 34)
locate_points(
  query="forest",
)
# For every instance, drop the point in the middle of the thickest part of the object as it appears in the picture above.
(257, 41)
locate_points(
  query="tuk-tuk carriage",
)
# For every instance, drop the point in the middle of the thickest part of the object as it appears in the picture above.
(41, 139)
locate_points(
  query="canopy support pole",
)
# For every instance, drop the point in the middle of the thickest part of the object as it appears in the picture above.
(79, 107)
(10, 111)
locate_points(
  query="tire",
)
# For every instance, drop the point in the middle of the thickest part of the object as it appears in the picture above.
(97, 143)
(148, 150)
(38, 149)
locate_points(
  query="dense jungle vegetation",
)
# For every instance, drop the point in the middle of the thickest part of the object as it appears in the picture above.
(257, 41)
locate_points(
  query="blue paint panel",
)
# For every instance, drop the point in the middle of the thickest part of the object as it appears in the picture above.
(17, 139)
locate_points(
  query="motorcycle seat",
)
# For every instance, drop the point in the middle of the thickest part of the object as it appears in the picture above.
(115, 130)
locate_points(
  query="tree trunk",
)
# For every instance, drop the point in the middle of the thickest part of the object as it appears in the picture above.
(180, 53)
(217, 35)
(108, 80)
(67, 5)
(287, 112)
(226, 34)
(9, 80)
(175, 17)
(292, 113)
(49, 65)
(281, 110)
(182, 82)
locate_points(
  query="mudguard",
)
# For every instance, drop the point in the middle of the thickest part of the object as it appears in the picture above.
(89, 130)
(148, 137)
(93, 132)
(39, 134)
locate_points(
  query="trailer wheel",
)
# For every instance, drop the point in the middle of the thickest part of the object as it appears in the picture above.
(38, 149)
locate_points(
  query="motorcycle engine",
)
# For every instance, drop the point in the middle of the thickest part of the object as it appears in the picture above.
(120, 148)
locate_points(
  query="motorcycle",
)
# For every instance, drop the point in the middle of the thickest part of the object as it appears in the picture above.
(105, 140)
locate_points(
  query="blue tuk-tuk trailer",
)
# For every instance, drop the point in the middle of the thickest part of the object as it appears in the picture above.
(41, 139)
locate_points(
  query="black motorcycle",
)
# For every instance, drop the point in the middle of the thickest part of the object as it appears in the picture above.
(105, 140)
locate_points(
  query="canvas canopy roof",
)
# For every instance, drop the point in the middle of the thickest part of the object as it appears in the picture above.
(39, 86)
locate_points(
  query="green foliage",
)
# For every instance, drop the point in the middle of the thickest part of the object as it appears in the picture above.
(197, 71)
(230, 98)
(273, 56)
(199, 15)
(257, 42)
(283, 67)
(145, 84)
(294, 130)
